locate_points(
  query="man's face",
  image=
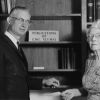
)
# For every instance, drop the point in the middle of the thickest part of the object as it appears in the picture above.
(94, 39)
(20, 22)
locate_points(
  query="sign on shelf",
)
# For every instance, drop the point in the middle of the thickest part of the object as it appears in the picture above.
(43, 35)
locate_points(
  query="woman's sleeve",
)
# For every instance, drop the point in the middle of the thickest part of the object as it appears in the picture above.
(83, 91)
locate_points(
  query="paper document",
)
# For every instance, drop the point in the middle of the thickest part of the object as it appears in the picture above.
(54, 94)
(45, 96)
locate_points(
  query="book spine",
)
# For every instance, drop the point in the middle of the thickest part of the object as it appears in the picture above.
(90, 10)
(97, 9)
(72, 58)
(60, 58)
(63, 58)
(9, 6)
(3, 6)
(13, 3)
(68, 59)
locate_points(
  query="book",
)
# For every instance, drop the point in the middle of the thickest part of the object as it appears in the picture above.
(13, 3)
(73, 57)
(90, 10)
(3, 7)
(97, 8)
(68, 58)
(8, 6)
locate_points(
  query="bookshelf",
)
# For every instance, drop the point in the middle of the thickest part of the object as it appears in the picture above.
(65, 56)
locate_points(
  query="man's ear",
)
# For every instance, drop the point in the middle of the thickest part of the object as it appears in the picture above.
(9, 20)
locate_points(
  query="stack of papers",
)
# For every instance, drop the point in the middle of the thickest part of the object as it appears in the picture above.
(45, 96)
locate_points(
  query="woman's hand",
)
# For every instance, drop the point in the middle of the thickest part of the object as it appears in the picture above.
(70, 93)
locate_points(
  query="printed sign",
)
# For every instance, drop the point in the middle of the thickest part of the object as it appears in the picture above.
(43, 35)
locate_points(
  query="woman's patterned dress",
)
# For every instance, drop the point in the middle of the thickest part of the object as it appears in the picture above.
(91, 78)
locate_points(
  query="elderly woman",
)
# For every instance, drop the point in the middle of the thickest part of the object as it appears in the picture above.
(91, 77)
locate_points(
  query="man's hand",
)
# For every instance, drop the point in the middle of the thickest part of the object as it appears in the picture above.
(52, 82)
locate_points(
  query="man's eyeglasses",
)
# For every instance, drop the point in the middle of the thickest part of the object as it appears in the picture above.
(22, 20)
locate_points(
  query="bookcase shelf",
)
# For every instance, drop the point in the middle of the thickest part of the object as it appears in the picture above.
(57, 70)
(50, 17)
(64, 17)
(52, 44)
(3, 15)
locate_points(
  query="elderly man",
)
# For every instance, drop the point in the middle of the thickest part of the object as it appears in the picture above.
(14, 84)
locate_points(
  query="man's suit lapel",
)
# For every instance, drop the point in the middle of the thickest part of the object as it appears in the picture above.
(11, 44)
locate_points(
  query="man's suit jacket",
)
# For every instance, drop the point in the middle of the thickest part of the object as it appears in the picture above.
(13, 72)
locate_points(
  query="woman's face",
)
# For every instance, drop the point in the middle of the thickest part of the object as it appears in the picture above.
(94, 39)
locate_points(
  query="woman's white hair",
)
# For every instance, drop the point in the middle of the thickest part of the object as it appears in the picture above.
(95, 24)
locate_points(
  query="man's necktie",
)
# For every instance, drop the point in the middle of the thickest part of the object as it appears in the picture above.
(22, 54)
(20, 49)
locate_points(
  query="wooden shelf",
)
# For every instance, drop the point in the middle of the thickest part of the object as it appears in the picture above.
(3, 15)
(55, 17)
(69, 43)
(57, 70)
(63, 17)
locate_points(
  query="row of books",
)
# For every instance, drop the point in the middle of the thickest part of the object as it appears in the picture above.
(52, 58)
(67, 58)
(6, 6)
(93, 10)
